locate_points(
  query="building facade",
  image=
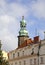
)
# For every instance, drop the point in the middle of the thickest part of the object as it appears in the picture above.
(29, 52)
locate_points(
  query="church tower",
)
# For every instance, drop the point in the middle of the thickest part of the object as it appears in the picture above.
(23, 33)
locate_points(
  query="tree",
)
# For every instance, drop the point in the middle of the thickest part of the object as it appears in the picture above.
(5, 62)
(2, 60)
(1, 55)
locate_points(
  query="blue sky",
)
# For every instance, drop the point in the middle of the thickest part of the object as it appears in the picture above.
(11, 12)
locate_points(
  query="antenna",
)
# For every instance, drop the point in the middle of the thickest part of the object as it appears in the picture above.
(36, 32)
(44, 35)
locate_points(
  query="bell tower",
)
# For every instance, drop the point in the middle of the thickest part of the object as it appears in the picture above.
(23, 33)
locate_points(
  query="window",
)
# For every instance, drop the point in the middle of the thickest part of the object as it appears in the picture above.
(11, 63)
(15, 63)
(13, 55)
(32, 51)
(35, 61)
(23, 52)
(18, 54)
(24, 62)
(41, 60)
(20, 63)
(30, 61)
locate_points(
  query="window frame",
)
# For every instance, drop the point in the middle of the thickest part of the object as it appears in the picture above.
(41, 60)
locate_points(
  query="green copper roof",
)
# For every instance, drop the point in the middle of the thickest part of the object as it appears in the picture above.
(23, 22)
(23, 31)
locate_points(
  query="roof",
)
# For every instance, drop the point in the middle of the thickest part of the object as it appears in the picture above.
(29, 41)
(26, 43)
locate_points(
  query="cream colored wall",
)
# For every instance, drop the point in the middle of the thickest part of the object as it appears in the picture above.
(42, 48)
(42, 52)
(43, 60)
(27, 61)
(27, 51)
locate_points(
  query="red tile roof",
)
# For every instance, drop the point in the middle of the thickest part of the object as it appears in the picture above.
(26, 43)
(29, 41)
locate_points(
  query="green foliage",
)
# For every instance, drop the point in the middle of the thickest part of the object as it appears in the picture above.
(2, 60)
(1, 55)
(5, 62)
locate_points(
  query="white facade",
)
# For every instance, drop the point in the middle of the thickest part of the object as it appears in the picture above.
(29, 55)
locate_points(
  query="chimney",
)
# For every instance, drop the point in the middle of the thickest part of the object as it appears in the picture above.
(36, 39)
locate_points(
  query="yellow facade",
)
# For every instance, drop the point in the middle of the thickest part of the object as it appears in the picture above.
(5, 56)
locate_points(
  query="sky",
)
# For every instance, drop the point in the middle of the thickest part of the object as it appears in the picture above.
(11, 12)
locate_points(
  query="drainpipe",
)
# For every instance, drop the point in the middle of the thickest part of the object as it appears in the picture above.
(38, 51)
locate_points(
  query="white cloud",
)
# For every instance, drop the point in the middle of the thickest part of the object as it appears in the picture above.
(38, 8)
(17, 10)
(9, 41)
(4, 19)
(10, 14)
(41, 33)
(31, 23)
